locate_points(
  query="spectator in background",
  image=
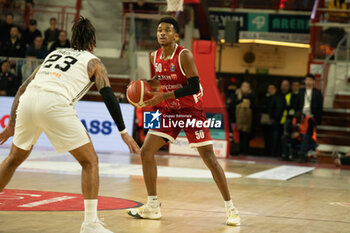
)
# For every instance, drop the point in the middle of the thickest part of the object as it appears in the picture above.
(310, 104)
(295, 92)
(8, 81)
(14, 46)
(37, 49)
(31, 33)
(62, 42)
(310, 100)
(5, 28)
(231, 103)
(272, 110)
(341, 158)
(244, 116)
(51, 34)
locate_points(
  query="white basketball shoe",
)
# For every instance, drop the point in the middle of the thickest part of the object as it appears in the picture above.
(96, 226)
(145, 211)
(232, 217)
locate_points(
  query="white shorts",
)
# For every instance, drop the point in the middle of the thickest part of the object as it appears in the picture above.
(47, 112)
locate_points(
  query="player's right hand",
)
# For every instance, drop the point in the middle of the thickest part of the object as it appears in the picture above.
(130, 142)
(8, 131)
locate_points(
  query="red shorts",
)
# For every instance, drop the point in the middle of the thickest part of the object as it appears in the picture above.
(197, 134)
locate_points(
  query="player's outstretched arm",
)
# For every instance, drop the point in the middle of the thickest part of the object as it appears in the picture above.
(10, 127)
(97, 72)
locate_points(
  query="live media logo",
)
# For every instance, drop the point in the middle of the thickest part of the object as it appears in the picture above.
(151, 120)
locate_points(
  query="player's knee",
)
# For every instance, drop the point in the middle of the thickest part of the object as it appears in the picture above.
(209, 157)
(146, 154)
(89, 162)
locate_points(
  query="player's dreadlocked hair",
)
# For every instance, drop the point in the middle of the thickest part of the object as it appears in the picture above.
(171, 21)
(83, 34)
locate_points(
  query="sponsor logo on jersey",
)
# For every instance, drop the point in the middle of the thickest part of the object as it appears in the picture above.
(172, 67)
(173, 77)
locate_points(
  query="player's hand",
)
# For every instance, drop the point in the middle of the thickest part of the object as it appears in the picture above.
(8, 131)
(156, 99)
(130, 142)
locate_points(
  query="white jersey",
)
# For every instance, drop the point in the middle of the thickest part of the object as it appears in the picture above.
(64, 71)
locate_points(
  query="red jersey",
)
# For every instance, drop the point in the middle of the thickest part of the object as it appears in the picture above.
(172, 77)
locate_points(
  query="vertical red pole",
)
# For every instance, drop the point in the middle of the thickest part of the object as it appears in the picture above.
(77, 9)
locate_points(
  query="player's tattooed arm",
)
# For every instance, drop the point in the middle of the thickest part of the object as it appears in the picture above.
(98, 72)
(20, 91)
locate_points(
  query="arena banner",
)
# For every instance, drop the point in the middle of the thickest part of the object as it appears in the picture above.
(96, 119)
(279, 26)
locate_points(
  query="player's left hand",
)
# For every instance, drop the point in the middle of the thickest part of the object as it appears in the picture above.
(156, 99)
(8, 131)
(130, 142)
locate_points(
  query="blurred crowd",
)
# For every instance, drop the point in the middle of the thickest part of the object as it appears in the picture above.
(288, 115)
(20, 49)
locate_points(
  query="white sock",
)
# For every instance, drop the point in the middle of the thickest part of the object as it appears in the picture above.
(152, 201)
(229, 204)
(90, 206)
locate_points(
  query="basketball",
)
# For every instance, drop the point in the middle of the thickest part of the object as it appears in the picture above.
(137, 93)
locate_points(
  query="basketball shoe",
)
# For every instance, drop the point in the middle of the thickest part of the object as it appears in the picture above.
(96, 226)
(145, 211)
(232, 217)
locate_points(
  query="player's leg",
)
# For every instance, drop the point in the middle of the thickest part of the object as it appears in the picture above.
(200, 138)
(149, 165)
(26, 134)
(151, 210)
(65, 131)
(9, 165)
(87, 158)
(207, 154)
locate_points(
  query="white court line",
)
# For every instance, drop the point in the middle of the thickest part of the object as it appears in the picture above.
(284, 172)
(117, 169)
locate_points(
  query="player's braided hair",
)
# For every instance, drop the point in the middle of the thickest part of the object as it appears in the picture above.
(83, 34)
(170, 20)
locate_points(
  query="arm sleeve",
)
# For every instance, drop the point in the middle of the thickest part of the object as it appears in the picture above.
(191, 88)
(113, 107)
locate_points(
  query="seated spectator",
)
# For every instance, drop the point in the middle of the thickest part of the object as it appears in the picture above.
(51, 34)
(8, 81)
(37, 49)
(341, 158)
(62, 42)
(13, 47)
(299, 139)
(5, 28)
(30, 33)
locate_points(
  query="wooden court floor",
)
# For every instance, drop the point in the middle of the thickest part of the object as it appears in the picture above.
(318, 201)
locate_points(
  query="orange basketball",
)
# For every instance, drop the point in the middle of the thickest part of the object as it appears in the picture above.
(137, 93)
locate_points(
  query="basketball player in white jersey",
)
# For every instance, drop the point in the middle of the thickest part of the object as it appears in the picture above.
(45, 103)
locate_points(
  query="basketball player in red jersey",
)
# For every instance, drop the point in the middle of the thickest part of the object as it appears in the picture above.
(182, 93)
